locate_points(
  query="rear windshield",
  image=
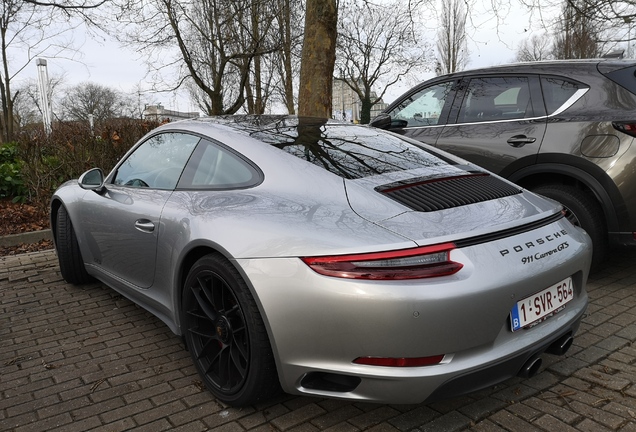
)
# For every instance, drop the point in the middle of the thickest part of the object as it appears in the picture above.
(349, 151)
(626, 77)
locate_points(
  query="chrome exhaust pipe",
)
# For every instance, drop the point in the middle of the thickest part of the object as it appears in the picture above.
(561, 346)
(531, 367)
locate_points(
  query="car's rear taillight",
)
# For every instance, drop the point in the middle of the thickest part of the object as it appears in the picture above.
(416, 263)
(626, 127)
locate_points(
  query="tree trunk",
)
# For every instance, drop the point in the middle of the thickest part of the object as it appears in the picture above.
(318, 59)
(287, 58)
(3, 118)
(249, 98)
(259, 107)
(365, 110)
(5, 91)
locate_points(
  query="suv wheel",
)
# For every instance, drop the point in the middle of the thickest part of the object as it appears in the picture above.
(582, 210)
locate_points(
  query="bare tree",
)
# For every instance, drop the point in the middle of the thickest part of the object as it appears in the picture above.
(26, 109)
(134, 102)
(615, 18)
(216, 46)
(318, 58)
(614, 14)
(536, 48)
(378, 44)
(90, 99)
(577, 33)
(451, 38)
(30, 29)
(287, 59)
(25, 29)
(26, 106)
(259, 83)
(69, 6)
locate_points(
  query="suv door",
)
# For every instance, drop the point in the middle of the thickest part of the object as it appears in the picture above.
(495, 121)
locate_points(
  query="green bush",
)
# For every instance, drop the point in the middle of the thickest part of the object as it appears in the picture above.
(11, 183)
(71, 149)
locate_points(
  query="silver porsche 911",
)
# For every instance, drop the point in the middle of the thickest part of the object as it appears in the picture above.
(328, 259)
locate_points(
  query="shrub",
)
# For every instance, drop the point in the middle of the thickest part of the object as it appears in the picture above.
(11, 183)
(71, 149)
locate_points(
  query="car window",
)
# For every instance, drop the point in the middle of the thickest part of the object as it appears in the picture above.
(557, 93)
(213, 167)
(496, 98)
(424, 107)
(158, 162)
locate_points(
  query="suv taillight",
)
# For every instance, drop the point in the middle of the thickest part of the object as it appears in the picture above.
(626, 127)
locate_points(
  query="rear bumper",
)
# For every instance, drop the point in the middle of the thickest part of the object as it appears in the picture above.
(318, 325)
(466, 372)
(491, 375)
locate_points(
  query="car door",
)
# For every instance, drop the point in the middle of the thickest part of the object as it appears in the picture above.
(122, 222)
(495, 121)
(424, 112)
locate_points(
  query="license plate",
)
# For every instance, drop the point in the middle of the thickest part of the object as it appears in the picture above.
(540, 306)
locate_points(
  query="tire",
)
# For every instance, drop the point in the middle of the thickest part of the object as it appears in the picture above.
(584, 211)
(225, 334)
(68, 251)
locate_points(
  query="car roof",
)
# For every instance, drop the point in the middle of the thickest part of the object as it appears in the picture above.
(545, 66)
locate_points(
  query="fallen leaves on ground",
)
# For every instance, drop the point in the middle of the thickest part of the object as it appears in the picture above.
(16, 218)
(26, 247)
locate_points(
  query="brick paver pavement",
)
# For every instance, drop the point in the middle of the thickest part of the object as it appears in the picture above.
(84, 358)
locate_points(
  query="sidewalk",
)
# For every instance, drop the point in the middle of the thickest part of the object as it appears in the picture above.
(84, 358)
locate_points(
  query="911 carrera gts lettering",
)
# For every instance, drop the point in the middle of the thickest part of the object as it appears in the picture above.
(536, 257)
(535, 243)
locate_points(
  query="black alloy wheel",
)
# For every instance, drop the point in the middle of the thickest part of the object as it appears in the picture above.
(225, 334)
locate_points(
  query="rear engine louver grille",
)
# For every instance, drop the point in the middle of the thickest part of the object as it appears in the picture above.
(444, 193)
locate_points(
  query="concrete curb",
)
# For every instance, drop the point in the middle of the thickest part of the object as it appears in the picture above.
(27, 237)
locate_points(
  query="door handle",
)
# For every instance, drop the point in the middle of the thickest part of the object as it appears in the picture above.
(520, 140)
(144, 225)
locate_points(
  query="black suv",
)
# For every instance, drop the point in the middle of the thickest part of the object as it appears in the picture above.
(563, 129)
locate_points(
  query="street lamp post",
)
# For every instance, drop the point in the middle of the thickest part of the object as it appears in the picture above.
(43, 87)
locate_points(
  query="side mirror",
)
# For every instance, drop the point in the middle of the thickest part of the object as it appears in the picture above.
(381, 121)
(384, 121)
(92, 180)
